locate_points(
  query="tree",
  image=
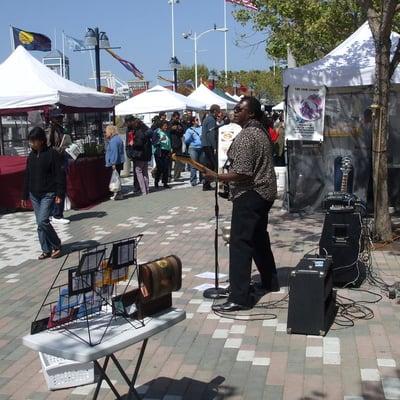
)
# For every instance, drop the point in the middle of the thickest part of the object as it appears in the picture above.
(381, 20)
(186, 73)
(267, 84)
(312, 28)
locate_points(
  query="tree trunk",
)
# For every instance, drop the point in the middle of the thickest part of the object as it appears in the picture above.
(383, 229)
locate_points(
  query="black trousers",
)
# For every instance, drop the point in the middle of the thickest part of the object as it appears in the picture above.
(162, 164)
(249, 240)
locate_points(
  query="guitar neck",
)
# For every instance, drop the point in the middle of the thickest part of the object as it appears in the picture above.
(344, 185)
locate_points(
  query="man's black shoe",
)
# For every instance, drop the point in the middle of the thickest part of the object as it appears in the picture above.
(207, 188)
(229, 307)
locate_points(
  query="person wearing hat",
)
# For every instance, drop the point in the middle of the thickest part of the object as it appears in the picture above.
(59, 140)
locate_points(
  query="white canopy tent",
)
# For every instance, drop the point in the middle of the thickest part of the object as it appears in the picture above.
(279, 107)
(352, 63)
(348, 73)
(231, 96)
(27, 84)
(207, 96)
(157, 99)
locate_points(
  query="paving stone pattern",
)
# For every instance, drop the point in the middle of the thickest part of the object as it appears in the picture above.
(206, 356)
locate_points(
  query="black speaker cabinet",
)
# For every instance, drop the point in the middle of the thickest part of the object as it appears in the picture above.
(312, 300)
(341, 238)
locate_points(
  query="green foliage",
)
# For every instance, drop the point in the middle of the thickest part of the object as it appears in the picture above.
(266, 84)
(187, 72)
(312, 28)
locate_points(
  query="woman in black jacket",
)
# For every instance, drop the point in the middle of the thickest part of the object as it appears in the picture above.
(141, 154)
(44, 186)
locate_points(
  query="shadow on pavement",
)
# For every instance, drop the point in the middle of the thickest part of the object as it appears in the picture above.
(87, 215)
(188, 389)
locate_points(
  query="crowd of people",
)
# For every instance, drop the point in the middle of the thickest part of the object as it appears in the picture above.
(251, 178)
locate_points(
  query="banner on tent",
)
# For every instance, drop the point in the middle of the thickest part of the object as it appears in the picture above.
(305, 113)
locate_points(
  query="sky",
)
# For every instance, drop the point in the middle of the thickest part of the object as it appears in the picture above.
(141, 28)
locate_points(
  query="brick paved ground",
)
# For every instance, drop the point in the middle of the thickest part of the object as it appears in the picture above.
(204, 357)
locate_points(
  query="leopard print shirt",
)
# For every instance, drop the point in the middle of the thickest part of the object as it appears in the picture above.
(251, 154)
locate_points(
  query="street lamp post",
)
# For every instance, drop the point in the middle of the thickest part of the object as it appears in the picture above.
(175, 65)
(195, 37)
(97, 40)
(173, 2)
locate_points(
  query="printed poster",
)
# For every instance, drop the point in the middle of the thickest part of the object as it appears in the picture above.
(225, 138)
(305, 113)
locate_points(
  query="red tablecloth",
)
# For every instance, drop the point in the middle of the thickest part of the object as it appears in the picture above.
(12, 171)
(87, 181)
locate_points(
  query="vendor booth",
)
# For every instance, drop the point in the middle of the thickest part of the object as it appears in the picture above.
(329, 117)
(207, 96)
(158, 99)
(28, 86)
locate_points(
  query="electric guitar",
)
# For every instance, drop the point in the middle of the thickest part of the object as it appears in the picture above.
(346, 168)
(183, 158)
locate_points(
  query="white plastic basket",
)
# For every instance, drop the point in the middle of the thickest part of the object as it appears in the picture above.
(60, 373)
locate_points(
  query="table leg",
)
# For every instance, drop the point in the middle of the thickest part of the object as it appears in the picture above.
(132, 389)
(104, 376)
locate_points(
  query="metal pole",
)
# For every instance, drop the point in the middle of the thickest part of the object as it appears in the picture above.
(175, 80)
(12, 41)
(97, 59)
(195, 59)
(2, 152)
(173, 40)
(63, 57)
(226, 50)
(173, 28)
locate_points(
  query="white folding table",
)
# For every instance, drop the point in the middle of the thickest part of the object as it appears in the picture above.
(119, 335)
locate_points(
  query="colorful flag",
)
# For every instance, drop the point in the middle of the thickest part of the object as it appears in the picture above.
(244, 3)
(74, 44)
(128, 65)
(31, 40)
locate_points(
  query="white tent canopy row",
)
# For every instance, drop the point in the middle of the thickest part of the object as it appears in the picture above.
(26, 83)
(157, 99)
(207, 96)
(352, 63)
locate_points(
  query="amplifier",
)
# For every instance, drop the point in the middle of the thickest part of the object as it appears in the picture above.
(341, 239)
(312, 299)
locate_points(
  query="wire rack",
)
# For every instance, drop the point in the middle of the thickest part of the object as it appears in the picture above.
(83, 297)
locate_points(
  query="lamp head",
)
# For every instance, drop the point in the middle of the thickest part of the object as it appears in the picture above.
(90, 38)
(104, 42)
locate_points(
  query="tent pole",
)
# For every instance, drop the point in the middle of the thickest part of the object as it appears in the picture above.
(1, 137)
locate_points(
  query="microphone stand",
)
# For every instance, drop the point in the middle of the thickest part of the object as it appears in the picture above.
(216, 292)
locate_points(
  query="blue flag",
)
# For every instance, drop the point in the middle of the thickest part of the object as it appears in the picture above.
(31, 40)
(74, 44)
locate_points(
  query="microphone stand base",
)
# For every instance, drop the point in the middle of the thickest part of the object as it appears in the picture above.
(215, 293)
